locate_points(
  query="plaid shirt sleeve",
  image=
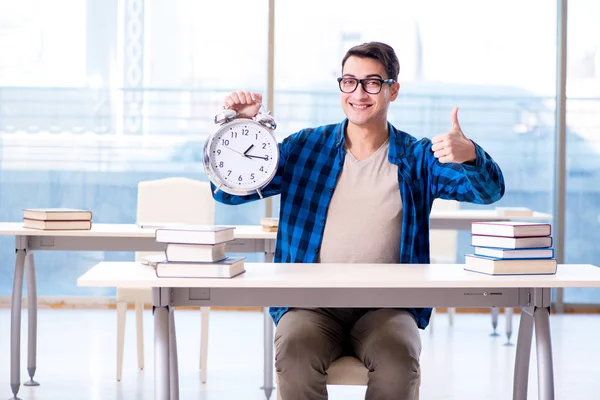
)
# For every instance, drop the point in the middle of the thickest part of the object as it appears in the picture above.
(481, 182)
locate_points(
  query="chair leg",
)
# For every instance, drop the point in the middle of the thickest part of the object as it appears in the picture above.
(139, 319)
(204, 343)
(451, 314)
(121, 314)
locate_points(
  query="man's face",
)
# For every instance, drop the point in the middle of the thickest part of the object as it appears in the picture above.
(361, 108)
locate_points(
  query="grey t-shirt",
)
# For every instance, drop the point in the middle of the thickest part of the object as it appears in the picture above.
(364, 219)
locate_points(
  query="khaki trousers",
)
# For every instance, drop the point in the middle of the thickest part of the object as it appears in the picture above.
(387, 341)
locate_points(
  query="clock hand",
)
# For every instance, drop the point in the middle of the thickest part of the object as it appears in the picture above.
(266, 158)
(235, 151)
(248, 149)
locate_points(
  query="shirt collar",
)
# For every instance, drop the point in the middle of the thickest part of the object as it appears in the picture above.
(397, 140)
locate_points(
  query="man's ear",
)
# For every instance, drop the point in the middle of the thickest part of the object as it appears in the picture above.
(394, 90)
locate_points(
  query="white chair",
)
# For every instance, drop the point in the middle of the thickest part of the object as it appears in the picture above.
(443, 246)
(170, 200)
(349, 370)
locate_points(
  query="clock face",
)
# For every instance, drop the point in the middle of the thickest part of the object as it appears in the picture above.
(242, 156)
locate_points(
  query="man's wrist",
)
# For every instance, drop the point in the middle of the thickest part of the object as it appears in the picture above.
(473, 159)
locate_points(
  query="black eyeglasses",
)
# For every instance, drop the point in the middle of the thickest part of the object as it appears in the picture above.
(369, 85)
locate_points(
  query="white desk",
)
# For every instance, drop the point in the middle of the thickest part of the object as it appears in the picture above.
(129, 237)
(461, 220)
(102, 237)
(352, 285)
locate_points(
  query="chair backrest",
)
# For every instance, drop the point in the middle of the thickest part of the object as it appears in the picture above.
(443, 242)
(175, 201)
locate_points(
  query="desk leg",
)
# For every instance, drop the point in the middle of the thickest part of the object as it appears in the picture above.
(508, 315)
(173, 365)
(268, 353)
(15, 323)
(31, 318)
(522, 356)
(268, 339)
(495, 313)
(162, 375)
(543, 346)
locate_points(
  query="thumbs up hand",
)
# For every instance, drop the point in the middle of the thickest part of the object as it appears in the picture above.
(453, 146)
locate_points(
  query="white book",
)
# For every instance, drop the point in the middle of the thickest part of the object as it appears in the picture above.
(514, 253)
(57, 225)
(195, 252)
(228, 268)
(195, 234)
(492, 266)
(511, 243)
(511, 228)
(57, 214)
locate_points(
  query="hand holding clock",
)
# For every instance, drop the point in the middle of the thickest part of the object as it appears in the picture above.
(247, 104)
(242, 125)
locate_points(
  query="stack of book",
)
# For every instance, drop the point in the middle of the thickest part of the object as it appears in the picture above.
(57, 219)
(269, 224)
(511, 248)
(196, 251)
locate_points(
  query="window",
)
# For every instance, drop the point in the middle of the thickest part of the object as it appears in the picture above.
(96, 96)
(582, 222)
(502, 79)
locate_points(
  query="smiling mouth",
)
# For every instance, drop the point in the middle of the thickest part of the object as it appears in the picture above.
(360, 106)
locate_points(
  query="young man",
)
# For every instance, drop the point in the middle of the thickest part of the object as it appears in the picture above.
(361, 192)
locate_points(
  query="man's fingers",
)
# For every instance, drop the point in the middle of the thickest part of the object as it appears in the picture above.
(439, 154)
(437, 146)
(247, 97)
(242, 97)
(454, 119)
(228, 102)
(438, 138)
(257, 97)
(235, 98)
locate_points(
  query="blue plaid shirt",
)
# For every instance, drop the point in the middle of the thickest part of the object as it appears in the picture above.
(310, 163)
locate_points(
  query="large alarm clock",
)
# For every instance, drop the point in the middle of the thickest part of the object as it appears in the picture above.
(241, 157)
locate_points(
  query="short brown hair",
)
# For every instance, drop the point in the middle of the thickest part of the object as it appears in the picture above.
(381, 52)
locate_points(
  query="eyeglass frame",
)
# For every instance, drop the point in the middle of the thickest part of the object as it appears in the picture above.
(361, 82)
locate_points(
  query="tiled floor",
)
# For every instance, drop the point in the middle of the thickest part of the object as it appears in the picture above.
(76, 358)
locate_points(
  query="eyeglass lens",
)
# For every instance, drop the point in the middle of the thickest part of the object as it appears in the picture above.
(371, 86)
